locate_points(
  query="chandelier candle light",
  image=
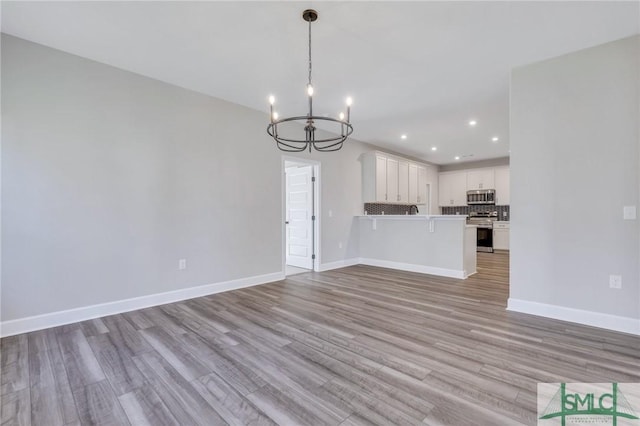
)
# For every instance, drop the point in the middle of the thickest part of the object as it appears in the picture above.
(328, 143)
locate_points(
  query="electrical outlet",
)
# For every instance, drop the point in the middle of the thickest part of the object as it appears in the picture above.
(182, 264)
(615, 281)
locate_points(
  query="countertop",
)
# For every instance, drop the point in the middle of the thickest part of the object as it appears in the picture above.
(413, 216)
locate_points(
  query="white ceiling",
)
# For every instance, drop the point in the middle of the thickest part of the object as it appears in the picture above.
(420, 68)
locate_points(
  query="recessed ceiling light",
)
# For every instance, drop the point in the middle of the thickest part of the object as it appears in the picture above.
(403, 136)
(472, 122)
(434, 148)
(495, 139)
(457, 157)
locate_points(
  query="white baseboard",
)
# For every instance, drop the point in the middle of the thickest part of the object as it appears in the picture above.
(410, 267)
(338, 264)
(595, 319)
(54, 319)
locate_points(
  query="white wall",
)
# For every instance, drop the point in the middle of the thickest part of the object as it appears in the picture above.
(574, 165)
(108, 178)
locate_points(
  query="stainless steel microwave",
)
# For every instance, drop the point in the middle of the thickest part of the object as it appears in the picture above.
(481, 196)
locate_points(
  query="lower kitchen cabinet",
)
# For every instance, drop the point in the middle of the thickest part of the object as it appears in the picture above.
(501, 235)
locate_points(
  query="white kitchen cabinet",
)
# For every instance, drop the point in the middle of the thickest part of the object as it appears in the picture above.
(422, 185)
(502, 186)
(501, 235)
(418, 181)
(374, 178)
(413, 183)
(380, 171)
(403, 181)
(392, 180)
(480, 179)
(452, 189)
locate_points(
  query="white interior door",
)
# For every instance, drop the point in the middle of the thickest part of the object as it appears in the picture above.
(299, 209)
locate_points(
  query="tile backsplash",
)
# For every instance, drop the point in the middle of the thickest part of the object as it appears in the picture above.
(379, 208)
(503, 211)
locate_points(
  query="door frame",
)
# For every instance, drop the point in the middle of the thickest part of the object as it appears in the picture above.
(317, 191)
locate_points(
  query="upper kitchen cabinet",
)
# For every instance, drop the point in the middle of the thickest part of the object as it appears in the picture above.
(423, 180)
(502, 186)
(480, 179)
(391, 179)
(379, 192)
(403, 181)
(452, 189)
(418, 182)
(374, 178)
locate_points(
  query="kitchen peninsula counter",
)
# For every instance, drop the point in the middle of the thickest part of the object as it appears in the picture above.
(432, 244)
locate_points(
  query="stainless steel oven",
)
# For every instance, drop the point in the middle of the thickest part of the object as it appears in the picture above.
(484, 222)
(485, 238)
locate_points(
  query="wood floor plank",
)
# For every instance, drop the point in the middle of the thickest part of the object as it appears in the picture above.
(232, 406)
(98, 405)
(81, 364)
(174, 353)
(15, 364)
(93, 327)
(232, 369)
(281, 409)
(16, 408)
(144, 407)
(125, 336)
(345, 373)
(51, 397)
(116, 363)
(182, 399)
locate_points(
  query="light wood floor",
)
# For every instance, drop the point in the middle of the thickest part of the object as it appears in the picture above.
(359, 345)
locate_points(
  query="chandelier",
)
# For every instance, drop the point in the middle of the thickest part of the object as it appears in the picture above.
(326, 143)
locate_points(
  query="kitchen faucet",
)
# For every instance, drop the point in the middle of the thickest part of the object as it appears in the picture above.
(413, 207)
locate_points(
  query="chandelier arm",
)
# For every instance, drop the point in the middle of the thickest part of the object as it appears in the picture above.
(341, 141)
(329, 149)
(290, 148)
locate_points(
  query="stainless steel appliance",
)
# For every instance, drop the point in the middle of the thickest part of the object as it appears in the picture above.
(484, 221)
(481, 196)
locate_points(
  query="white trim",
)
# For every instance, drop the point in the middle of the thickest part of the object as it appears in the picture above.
(53, 319)
(410, 267)
(595, 319)
(339, 264)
